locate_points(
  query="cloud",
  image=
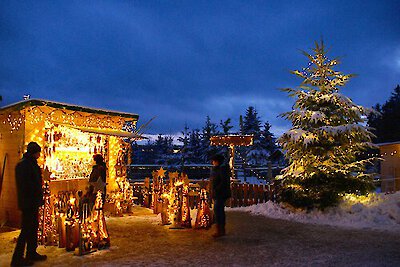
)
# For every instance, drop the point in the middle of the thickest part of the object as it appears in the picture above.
(184, 61)
(397, 60)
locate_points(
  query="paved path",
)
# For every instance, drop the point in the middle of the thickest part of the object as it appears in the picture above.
(251, 241)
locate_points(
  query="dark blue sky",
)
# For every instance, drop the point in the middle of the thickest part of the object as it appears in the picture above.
(184, 60)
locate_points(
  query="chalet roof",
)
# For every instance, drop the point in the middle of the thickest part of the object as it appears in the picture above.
(40, 102)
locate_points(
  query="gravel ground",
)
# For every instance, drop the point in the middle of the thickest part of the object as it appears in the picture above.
(251, 241)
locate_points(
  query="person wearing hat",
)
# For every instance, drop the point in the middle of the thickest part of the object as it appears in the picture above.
(220, 191)
(28, 178)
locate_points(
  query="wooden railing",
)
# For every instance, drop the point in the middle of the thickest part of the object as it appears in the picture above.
(242, 194)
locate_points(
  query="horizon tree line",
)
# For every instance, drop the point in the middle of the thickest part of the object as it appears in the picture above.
(195, 145)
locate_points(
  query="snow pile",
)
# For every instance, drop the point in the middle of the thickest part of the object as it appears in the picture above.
(376, 211)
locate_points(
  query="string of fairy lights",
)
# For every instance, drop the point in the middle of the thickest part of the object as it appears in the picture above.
(393, 153)
(37, 114)
(260, 177)
(236, 140)
(14, 122)
(306, 70)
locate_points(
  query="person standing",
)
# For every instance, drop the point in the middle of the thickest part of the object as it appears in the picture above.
(30, 197)
(220, 191)
(98, 176)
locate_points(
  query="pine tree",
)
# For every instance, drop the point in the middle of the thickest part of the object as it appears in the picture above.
(143, 154)
(164, 151)
(226, 126)
(326, 135)
(159, 149)
(194, 147)
(258, 153)
(207, 150)
(184, 151)
(252, 122)
(383, 121)
(241, 124)
(268, 138)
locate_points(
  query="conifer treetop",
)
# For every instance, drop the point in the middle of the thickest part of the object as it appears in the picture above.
(319, 72)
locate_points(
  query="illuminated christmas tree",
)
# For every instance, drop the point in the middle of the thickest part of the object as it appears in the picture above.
(326, 138)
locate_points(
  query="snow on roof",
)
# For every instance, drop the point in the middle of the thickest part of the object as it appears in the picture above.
(40, 102)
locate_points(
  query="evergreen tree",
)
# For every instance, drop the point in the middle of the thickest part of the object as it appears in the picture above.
(184, 151)
(135, 157)
(326, 135)
(251, 122)
(194, 147)
(207, 150)
(143, 154)
(384, 120)
(241, 124)
(226, 126)
(164, 151)
(159, 149)
(268, 138)
(257, 154)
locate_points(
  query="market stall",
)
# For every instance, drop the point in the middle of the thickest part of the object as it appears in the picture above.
(69, 136)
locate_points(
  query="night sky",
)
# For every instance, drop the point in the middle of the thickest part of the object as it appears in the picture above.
(184, 60)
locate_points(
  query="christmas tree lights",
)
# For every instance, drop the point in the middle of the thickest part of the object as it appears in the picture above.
(326, 136)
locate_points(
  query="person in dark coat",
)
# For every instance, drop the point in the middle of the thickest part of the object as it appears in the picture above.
(30, 197)
(99, 172)
(220, 191)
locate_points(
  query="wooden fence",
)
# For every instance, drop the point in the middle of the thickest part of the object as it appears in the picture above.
(243, 195)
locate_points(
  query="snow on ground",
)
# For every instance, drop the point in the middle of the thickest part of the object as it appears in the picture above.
(139, 239)
(377, 211)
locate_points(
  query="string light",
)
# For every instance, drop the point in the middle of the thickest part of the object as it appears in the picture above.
(260, 177)
(38, 114)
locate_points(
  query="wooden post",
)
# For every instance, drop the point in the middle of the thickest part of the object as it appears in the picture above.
(232, 160)
(240, 195)
(147, 198)
(269, 171)
(256, 195)
(234, 195)
(245, 195)
(261, 193)
(251, 196)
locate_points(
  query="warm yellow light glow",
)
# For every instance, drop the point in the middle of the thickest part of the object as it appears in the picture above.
(367, 200)
(72, 201)
(113, 145)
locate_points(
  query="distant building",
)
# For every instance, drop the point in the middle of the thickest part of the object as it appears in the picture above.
(390, 167)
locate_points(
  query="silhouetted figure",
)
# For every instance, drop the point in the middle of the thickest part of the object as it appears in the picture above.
(30, 197)
(220, 191)
(98, 176)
